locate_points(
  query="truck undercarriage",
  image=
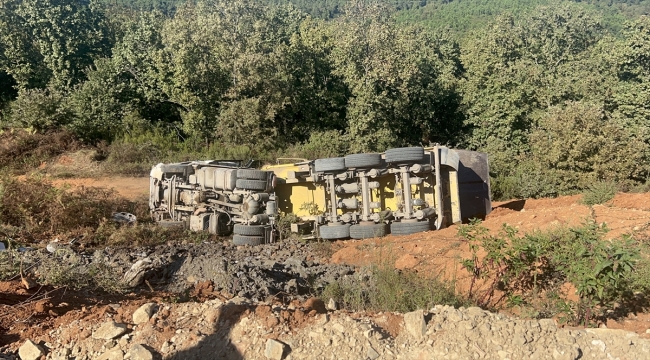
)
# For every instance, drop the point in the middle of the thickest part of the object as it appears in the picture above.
(401, 191)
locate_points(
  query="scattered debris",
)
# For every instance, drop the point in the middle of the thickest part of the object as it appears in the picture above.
(124, 218)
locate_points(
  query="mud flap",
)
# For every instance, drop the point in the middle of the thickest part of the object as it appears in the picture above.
(474, 184)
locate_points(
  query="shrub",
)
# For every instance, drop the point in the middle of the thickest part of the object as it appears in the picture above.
(21, 151)
(38, 109)
(43, 211)
(321, 144)
(528, 179)
(384, 288)
(69, 269)
(523, 267)
(599, 193)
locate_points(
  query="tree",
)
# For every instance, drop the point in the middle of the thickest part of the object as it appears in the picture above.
(630, 100)
(517, 70)
(50, 41)
(401, 80)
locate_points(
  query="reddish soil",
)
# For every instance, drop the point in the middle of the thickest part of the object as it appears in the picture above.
(33, 313)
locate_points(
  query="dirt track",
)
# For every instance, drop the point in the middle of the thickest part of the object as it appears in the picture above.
(431, 252)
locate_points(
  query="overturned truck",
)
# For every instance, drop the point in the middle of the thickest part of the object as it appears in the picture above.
(401, 191)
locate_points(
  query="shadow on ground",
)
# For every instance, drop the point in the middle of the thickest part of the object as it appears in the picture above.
(217, 345)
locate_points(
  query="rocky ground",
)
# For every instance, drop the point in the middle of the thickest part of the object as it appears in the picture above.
(240, 329)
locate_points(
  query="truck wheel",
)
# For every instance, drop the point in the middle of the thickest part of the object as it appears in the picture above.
(331, 232)
(329, 164)
(249, 230)
(246, 184)
(407, 228)
(247, 240)
(405, 155)
(363, 160)
(367, 231)
(252, 174)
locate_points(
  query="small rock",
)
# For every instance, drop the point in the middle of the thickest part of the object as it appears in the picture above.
(114, 354)
(30, 351)
(139, 352)
(415, 324)
(109, 330)
(144, 313)
(331, 305)
(372, 353)
(274, 349)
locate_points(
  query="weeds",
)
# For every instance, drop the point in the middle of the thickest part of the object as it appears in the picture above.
(599, 193)
(384, 288)
(283, 224)
(66, 268)
(529, 269)
(22, 151)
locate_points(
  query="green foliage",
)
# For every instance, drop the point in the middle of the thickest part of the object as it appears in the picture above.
(599, 193)
(323, 144)
(527, 179)
(556, 101)
(526, 267)
(38, 110)
(386, 289)
(53, 41)
(401, 80)
(283, 224)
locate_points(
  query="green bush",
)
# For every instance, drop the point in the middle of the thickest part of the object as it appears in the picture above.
(324, 144)
(526, 267)
(527, 179)
(385, 288)
(38, 109)
(599, 193)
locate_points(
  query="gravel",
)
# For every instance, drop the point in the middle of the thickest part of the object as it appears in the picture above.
(239, 329)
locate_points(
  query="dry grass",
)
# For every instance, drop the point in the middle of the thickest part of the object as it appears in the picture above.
(21, 151)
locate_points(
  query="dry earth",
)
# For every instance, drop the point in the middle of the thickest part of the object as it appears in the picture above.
(214, 325)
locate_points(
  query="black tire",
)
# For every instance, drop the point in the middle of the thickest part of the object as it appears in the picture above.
(249, 230)
(405, 155)
(246, 184)
(407, 228)
(252, 174)
(363, 160)
(329, 164)
(368, 231)
(328, 232)
(247, 240)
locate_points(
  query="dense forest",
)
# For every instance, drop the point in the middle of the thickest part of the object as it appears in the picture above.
(558, 93)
